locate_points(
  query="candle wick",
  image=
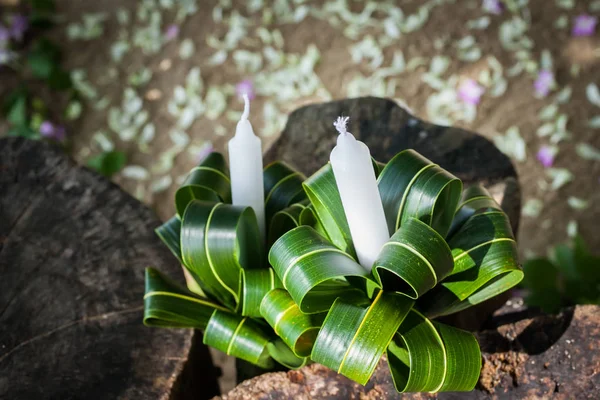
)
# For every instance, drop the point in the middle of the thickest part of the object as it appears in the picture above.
(246, 113)
(341, 124)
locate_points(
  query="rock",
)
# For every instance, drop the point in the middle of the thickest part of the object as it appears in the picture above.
(386, 129)
(73, 248)
(525, 356)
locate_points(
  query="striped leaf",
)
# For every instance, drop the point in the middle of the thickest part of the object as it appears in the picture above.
(209, 182)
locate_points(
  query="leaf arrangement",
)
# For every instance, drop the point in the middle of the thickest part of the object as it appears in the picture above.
(307, 298)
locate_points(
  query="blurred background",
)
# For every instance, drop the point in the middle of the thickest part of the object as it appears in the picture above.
(142, 90)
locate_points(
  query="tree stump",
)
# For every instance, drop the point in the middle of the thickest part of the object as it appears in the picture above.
(73, 248)
(525, 356)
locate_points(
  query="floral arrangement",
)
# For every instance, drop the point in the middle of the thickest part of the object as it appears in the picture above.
(305, 298)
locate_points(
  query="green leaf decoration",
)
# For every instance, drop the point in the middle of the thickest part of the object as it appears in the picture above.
(167, 304)
(299, 258)
(322, 192)
(426, 356)
(209, 181)
(356, 333)
(238, 336)
(283, 187)
(217, 241)
(411, 186)
(256, 283)
(296, 329)
(449, 249)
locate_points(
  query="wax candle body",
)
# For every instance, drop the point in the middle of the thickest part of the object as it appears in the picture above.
(246, 168)
(355, 178)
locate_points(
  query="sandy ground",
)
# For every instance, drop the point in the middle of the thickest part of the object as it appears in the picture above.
(299, 52)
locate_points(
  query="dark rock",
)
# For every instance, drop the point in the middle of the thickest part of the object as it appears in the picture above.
(386, 129)
(525, 356)
(73, 248)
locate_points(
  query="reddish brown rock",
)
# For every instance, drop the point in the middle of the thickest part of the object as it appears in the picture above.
(525, 356)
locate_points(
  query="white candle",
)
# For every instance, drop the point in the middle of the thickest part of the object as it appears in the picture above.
(246, 167)
(355, 178)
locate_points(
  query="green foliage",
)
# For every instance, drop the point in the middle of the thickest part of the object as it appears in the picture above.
(312, 301)
(38, 58)
(571, 275)
(108, 163)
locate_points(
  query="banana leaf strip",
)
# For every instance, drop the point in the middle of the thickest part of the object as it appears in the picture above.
(256, 283)
(485, 265)
(323, 194)
(474, 198)
(283, 187)
(355, 333)
(296, 329)
(284, 355)
(284, 221)
(411, 186)
(414, 259)
(238, 336)
(169, 234)
(428, 357)
(168, 304)
(217, 241)
(312, 270)
(209, 181)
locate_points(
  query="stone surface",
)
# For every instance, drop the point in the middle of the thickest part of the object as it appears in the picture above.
(73, 248)
(525, 356)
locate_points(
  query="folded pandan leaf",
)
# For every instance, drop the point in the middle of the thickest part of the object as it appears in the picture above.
(313, 301)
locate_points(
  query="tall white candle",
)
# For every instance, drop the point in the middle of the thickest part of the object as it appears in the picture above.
(355, 178)
(246, 167)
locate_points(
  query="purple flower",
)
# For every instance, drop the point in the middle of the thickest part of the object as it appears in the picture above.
(585, 25)
(51, 131)
(172, 32)
(20, 24)
(4, 35)
(470, 92)
(492, 6)
(544, 83)
(245, 87)
(545, 156)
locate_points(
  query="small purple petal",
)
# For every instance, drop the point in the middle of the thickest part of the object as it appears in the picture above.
(544, 83)
(492, 6)
(20, 24)
(470, 92)
(245, 87)
(47, 129)
(545, 156)
(51, 131)
(60, 133)
(584, 25)
(172, 32)
(4, 34)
